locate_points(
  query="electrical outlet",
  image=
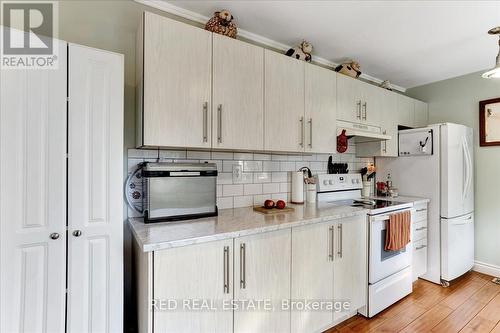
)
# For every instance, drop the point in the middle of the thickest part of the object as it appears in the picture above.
(237, 173)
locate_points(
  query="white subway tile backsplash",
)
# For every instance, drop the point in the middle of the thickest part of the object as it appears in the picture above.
(278, 177)
(199, 155)
(232, 190)
(271, 188)
(218, 155)
(271, 166)
(243, 201)
(287, 166)
(225, 203)
(264, 175)
(261, 157)
(243, 156)
(251, 189)
(252, 166)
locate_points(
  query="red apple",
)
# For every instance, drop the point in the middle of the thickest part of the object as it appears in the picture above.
(269, 204)
(280, 204)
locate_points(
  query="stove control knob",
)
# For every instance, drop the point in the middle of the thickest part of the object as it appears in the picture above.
(331, 182)
(354, 181)
(325, 182)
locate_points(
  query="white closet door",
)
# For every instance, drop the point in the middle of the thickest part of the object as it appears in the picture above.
(33, 198)
(95, 169)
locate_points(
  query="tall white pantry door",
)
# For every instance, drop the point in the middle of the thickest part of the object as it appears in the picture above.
(33, 198)
(95, 209)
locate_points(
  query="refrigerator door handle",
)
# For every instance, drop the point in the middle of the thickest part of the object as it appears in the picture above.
(468, 167)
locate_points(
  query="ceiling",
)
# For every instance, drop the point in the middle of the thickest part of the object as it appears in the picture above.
(410, 43)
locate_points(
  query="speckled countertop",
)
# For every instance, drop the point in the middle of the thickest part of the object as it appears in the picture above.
(231, 223)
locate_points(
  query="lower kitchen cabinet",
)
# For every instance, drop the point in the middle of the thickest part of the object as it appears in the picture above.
(351, 265)
(419, 259)
(312, 274)
(201, 272)
(262, 272)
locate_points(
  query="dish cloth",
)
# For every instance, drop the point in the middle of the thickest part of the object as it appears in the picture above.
(397, 234)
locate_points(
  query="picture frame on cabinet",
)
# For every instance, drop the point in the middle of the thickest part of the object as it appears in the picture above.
(489, 122)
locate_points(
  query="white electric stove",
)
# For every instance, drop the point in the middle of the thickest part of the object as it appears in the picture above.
(389, 272)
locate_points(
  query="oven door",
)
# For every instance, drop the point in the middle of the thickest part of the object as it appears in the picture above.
(385, 263)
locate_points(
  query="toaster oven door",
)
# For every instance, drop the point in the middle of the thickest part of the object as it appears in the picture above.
(171, 198)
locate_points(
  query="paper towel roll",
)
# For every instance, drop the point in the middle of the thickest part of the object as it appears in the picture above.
(298, 187)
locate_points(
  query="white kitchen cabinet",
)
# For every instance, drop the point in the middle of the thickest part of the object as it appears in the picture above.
(350, 279)
(373, 104)
(405, 111)
(420, 229)
(320, 109)
(238, 94)
(201, 272)
(33, 196)
(421, 114)
(349, 99)
(95, 184)
(175, 60)
(262, 272)
(284, 122)
(388, 123)
(312, 274)
(61, 208)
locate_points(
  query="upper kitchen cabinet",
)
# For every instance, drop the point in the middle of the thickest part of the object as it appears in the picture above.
(320, 109)
(358, 101)
(349, 99)
(175, 69)
(405, 111)
(421, 116)
(284, 122)
(238, 94)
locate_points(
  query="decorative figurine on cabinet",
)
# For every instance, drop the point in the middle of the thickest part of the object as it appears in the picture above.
(222, 23)
(301, 51)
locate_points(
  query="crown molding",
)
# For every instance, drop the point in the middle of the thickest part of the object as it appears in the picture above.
(196, 17)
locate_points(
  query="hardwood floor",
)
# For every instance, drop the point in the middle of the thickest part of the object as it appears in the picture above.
(470, 304)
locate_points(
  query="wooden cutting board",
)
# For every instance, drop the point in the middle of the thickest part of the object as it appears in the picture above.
(264, 210)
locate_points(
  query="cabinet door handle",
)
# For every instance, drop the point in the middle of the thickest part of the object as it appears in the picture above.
(301, 132)
(205, 122)
(420, 229)
(341, 245)
(226, 269)
(243, 283)
(365, 107)
(358, 109)
(310, 132)
(331, 244)
(420, 247)
(219, 123)
(384, 142)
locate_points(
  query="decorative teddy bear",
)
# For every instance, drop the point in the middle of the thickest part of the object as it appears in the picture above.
(222, 23)
(349, 69)
(301, 52)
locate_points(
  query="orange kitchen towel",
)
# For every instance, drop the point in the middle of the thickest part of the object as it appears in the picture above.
(397, 234)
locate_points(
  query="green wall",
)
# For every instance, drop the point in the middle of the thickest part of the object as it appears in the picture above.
(457, 100)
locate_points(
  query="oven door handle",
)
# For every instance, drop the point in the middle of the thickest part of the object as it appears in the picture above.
(385, 217)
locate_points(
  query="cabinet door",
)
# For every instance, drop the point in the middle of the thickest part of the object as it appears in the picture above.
(421, 114)
(95, 185)
(312, 274)
(351, 266)
(201, 272)
(390, 125)
(349, 98)
(406, 110)
(373, 104)
(284, 122)
(238, 94)
(262, 272)
(177, 83)
(33, 198)
(320, 109)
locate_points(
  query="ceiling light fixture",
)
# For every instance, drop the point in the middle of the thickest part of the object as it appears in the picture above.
(495, 72)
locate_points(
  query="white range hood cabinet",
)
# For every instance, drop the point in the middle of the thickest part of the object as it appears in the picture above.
(362, 133)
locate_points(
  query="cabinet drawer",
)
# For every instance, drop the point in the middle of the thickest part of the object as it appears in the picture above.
(419, 266)
(420, 215)
(420, 230)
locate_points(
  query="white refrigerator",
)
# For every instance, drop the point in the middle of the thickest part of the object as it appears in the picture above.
(436, 162)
